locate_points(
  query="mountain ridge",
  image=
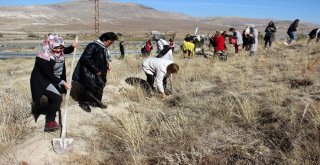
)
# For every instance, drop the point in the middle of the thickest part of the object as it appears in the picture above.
(119, 17)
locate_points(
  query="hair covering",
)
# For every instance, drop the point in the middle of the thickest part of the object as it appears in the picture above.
(218, 32)
(52, 41)
(157, 37)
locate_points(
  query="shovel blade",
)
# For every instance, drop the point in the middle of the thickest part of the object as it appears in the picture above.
(61, 145)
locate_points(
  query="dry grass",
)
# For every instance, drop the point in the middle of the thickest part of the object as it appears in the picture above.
(14, 103)
(242, 111)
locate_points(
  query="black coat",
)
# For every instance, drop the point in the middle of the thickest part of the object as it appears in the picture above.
(293, 27)
(313, 33)
(93, 60)
(42, 75)
(270, 30)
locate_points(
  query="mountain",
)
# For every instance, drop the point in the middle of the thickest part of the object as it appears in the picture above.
(78, 16)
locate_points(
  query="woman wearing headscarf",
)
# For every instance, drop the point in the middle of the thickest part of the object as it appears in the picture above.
(269, 36)
(48, 78)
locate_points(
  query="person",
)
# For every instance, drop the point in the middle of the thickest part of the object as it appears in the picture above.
(211, 42)
(159, 70)
(121, 46)
(219, 48)
(159, 42)
(253, 40)
(225, 35)
(163, 48)
(291, 32)
(269, 36)
(202, 38)
(148, 47)
(171, 44)
(198, 42)
(315, 33)
(246, 38)
(48, 80)
(188, 47)
(238, 40)
(91, 72)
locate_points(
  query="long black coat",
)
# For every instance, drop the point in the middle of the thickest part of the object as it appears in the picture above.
(93, 60)
(42, 75)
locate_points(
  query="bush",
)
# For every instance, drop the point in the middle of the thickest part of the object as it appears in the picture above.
(301, 36)
(31, 35)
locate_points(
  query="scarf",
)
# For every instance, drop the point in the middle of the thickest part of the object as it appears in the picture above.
(100, 43)
(46, 52)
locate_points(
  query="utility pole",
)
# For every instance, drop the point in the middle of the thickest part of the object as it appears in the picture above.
(122, 32)
(96, 18)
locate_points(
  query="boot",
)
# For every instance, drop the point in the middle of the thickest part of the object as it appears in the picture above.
(102, 106)
(51, 126)
(85, 106)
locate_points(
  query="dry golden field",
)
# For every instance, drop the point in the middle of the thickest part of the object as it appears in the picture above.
(247, 110)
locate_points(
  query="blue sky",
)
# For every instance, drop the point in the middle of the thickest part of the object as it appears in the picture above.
(306, 11)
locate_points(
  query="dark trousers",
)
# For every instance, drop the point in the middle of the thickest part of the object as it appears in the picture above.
(150, 80)
(92, 96)
(236, 48)
(54, 104)
(266, 43)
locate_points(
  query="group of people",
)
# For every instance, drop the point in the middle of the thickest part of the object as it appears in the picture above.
(248, 41)
(163, 48)
(48, 78)
(249, 38)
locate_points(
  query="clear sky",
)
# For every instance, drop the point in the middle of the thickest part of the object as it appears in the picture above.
(306, 11)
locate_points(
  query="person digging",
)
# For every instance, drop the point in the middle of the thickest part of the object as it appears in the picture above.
(159, 70)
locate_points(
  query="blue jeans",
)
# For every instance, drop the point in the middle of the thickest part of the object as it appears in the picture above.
(291, 35)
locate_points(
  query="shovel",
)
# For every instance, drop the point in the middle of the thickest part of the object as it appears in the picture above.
(62, 144)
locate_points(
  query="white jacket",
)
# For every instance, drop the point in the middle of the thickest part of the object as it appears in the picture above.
(168, 55)
(161, 43)
(158, 68)
(255, 33)
(239, 38)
